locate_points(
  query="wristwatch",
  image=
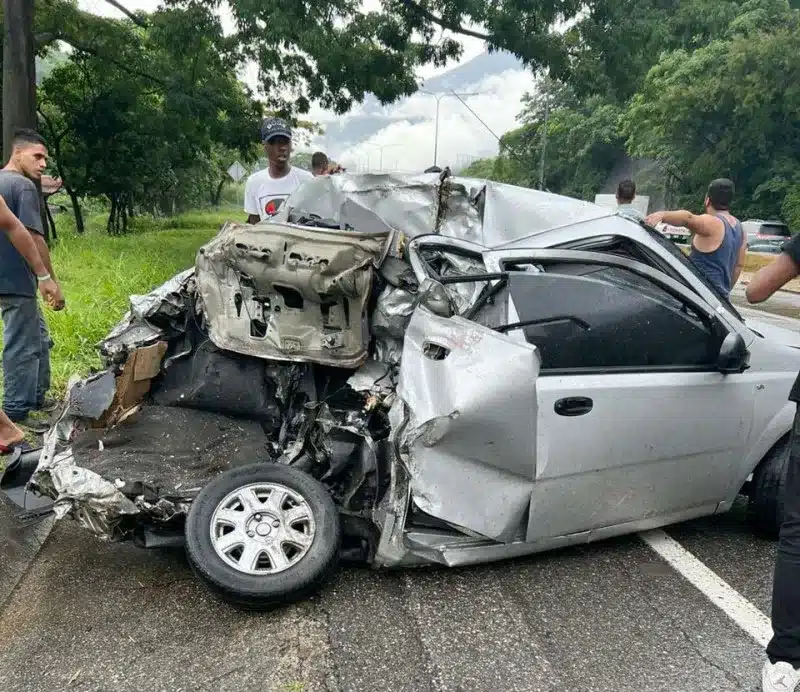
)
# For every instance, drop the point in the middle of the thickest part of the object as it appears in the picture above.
(46, 277)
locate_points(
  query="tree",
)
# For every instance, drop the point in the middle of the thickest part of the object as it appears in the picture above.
(19, 78)
(704, 88)
(153, 128)
(729, 109)
(614, 43)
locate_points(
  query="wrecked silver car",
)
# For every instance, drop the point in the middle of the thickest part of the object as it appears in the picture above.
(411, 370)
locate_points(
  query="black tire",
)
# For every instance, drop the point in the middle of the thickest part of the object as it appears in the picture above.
(259, 591)
(765, 509)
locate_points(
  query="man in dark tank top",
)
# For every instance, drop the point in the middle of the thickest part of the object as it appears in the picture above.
(718, 241)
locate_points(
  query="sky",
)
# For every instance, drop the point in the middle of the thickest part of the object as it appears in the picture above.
(405, 141)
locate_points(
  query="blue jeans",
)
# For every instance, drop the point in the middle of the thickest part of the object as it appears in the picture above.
(26, 356)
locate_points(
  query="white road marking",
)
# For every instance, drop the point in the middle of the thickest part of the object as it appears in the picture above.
(713, 587)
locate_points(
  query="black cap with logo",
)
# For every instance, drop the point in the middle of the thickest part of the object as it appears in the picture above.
(274, 127)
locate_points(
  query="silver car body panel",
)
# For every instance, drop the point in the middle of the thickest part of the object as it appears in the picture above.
(471, 431)
(283, 292)
(628, 470)
(424, 547)
(481, 211)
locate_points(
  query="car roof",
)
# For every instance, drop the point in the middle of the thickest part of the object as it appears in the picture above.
(481, 211)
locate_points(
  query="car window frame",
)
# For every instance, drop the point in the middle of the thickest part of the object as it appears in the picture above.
(718, 328)
(658, 262)
(667, 278)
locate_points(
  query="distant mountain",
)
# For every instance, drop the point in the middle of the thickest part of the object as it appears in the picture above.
(373, 117)
(473, 71)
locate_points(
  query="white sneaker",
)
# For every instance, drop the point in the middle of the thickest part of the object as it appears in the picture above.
(780, 677)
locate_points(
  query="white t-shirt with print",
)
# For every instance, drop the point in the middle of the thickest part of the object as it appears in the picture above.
(264, 195)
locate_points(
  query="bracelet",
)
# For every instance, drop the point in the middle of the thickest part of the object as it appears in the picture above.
(46, 277)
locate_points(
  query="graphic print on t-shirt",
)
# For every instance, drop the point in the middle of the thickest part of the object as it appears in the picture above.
(271, 203)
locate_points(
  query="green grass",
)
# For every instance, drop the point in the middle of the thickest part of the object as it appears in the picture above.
(99, 272)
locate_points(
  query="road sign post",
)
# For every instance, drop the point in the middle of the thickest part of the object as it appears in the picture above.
(237, 171)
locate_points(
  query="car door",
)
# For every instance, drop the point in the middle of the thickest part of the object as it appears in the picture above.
(635, 422)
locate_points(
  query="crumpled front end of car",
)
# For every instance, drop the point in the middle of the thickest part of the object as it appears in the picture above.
(359, 355)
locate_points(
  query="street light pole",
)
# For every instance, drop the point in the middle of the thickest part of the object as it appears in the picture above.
(544, 144)
(380, 148)
(439, 98)
(436, 134)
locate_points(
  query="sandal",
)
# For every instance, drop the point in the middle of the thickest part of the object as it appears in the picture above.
(22, 445)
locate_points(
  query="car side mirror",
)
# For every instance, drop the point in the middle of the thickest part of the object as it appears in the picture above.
(733, 354)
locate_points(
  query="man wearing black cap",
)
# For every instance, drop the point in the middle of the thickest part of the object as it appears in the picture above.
(718, 242)
(266, 190)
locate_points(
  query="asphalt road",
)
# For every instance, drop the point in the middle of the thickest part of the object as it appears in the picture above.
(612, 616)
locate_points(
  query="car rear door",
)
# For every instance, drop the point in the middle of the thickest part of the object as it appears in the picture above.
(635, 424)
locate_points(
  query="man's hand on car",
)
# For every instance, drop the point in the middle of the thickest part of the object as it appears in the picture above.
(51, 292)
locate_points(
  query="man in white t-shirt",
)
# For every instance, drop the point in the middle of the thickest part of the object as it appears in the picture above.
(265, 191)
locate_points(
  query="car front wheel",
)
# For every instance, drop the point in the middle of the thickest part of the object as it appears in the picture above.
(263, 534)
(765, 509)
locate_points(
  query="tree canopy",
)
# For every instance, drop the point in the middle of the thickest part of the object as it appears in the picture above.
(161, 123)
(149, 107)
(705, 89)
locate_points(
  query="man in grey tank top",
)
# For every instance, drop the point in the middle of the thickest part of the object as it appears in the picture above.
(718, 240)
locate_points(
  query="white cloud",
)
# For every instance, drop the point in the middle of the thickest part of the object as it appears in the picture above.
(407, 142)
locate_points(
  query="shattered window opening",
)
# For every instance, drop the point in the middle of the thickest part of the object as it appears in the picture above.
(601, 320)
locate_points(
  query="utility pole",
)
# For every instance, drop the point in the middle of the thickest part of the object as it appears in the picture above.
(380, 148)
(19, 70)
(436, 133)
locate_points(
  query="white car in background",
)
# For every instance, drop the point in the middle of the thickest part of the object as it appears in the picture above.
(764, 235)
